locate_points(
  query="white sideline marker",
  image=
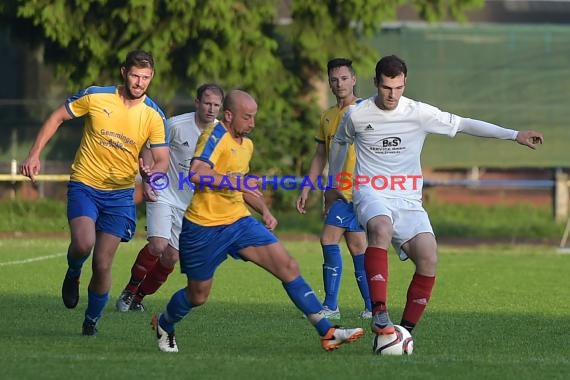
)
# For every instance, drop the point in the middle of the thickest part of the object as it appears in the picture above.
(26, 261)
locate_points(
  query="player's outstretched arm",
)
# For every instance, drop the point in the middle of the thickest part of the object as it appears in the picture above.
(481, 128)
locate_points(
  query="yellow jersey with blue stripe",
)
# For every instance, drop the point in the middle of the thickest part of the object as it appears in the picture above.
(330, 121)
(107, 157)
(212, 205)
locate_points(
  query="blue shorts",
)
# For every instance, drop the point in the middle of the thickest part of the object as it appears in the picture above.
(342, 215)
(113, 211)
(203, 249)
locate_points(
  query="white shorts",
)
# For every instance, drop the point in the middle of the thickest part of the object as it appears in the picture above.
(408, 217)
(165, 221)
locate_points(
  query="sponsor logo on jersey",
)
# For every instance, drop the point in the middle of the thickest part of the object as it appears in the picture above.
(389, 142)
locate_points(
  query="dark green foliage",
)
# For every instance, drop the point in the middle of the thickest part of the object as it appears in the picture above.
(235, 43)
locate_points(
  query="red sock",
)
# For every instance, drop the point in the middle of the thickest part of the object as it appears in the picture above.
(155, 278)
(143, 264)
(419, 294)
(376, 267)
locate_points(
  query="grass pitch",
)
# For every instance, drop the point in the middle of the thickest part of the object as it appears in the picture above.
(496, 312)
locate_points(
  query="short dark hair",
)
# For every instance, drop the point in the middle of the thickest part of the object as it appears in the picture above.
(140, 59)
(209, 87)
(339, 62)
(391, 66)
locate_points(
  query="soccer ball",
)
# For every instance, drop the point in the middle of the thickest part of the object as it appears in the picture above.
(399, 343)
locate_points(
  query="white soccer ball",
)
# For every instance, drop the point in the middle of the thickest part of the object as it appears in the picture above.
(399, 343)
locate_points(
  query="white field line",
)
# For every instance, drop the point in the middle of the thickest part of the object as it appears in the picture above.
(26, 261)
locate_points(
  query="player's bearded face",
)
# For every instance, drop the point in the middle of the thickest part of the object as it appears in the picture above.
(243, 121)
(137, 81)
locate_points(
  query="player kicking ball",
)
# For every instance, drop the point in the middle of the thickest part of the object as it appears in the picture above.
(217, 224)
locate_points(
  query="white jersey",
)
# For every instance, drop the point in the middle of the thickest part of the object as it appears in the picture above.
(388, 145)
(183, 136)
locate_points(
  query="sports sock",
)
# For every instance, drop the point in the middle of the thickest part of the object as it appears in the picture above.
(376, 265)
(143, 264)
(305, 299)
(332, 274)
(178, 307)
(74, 265)
(95, 305)
(418, 297)
(360, 275)
(153, 280)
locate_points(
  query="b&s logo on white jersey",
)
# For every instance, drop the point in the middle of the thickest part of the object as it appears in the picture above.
(388, 145)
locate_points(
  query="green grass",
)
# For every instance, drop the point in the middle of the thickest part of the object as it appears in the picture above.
(522, 222)
(496, 313)
(519, 223)
(43, 215)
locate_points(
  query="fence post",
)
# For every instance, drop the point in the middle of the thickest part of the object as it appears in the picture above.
(13, 173)
(561, 195)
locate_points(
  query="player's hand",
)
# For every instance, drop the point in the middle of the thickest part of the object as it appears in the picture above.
(301, 202)
(149, 194)
(145, 170)
(269, 220)
(530, 138)
(31, 167)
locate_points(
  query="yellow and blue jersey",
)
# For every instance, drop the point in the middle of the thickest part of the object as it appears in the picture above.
(213, 206)
(330, 121)
(107, 157)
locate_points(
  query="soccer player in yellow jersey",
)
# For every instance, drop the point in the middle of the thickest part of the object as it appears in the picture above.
(340, 219)
(165, 210)
(217, 224)
(119, 120)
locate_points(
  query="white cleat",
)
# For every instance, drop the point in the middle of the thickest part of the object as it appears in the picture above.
(330, 314)
(365, 314)
(166, 342)
(337, 336)
(124, 302)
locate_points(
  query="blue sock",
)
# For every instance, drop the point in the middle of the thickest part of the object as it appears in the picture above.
(95, 305)
(360, 275)
(75, 265)
(323, 326)
(178, 307)
(305, 299)
(332, 273)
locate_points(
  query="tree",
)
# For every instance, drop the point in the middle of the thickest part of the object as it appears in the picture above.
(231, 42)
